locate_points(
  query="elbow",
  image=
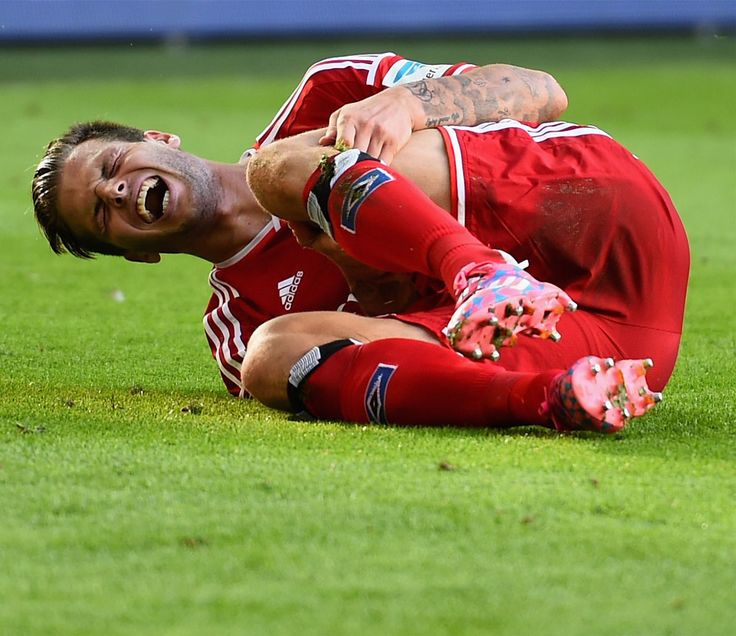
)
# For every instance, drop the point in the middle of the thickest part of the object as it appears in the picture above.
(557, 102)
(560, 101)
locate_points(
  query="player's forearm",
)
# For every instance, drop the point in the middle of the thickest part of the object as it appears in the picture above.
(487, 93)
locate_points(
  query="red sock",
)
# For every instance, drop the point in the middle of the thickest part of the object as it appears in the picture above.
(382, 219)
(409, 382)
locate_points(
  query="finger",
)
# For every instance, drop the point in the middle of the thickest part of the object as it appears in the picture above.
(390, 148)
(375, 147)
(362, 140)
(331, 131)
(329, 138)
(387, 154)
(345, 134)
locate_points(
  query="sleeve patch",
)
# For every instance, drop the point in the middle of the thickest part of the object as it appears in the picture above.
(406, 71)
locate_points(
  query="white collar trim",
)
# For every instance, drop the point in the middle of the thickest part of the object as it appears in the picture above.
(274, 224)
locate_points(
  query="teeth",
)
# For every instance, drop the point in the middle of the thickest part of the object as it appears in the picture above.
(143, 212)
(141, 202)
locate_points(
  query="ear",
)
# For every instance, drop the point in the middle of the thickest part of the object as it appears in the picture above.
(162, 137)
(142, 257)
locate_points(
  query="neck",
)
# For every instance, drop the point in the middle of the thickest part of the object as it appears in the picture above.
(238, 219)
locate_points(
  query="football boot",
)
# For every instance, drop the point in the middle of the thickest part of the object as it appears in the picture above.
(598, 394)
(495, 303)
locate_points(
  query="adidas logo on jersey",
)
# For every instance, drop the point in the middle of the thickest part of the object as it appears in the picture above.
(287, 289)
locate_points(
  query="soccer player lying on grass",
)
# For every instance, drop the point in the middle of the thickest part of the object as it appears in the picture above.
(591, 218)
(260, 272)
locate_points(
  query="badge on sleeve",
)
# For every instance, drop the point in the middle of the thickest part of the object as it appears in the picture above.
(406, 71)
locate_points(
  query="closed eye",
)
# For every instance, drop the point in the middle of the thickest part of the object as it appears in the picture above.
(113, 165)
(107, 170)
(99, 216)
(110, 164)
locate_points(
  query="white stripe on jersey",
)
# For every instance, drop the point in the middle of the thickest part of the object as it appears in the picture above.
(461, 69)
(221, 317)
(227, 293)
(223, 330)
(540, 133)
(578, 132)
(537, 133)
(459, 180)
(228, 314)
(368, 62)
(371, 79)
(235, 379)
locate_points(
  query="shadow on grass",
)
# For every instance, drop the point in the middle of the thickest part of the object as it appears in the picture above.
(678, 431)
(688, 426)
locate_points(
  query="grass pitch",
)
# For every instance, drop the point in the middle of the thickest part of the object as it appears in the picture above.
(138, 498)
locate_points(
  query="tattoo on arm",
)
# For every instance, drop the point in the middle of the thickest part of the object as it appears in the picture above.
(421, 91)
(485, 94)
(452, 118)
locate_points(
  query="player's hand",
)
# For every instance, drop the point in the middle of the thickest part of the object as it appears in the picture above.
(379, 125)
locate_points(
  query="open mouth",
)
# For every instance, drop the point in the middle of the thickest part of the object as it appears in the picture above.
(153, 199)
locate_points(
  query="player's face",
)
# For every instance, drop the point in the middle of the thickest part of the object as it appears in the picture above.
(140, 196)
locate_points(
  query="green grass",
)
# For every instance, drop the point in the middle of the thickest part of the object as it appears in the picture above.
(137, 498)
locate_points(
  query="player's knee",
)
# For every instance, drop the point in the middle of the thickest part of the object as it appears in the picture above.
(263, 174)
(266, 366)
(273, 350)
(277, 173)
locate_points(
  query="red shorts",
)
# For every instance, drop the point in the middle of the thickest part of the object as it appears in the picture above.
(590, 218)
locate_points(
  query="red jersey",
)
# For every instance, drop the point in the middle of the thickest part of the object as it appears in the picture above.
(585, 212)
(272, 275)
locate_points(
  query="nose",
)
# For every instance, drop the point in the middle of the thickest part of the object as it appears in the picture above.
(115, 192)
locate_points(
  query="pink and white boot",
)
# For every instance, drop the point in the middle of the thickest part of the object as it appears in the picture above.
(598, 394)
(496, 302)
